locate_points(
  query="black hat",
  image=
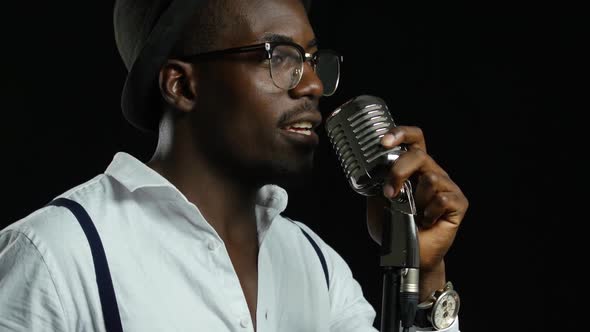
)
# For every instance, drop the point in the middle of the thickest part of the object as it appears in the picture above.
(145, 33)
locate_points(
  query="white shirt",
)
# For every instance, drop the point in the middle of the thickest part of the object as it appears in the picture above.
(170, 269)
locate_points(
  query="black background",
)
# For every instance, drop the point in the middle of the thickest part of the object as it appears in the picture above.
(495, 87)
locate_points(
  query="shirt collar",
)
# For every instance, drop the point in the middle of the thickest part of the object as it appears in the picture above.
(134, 174)
(271, 200)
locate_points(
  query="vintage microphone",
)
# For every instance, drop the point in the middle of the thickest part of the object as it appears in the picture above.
(355, 130)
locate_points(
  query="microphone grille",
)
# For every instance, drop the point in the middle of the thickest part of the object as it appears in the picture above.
(355, 130)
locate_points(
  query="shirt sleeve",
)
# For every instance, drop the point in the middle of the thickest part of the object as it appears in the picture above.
(28, 297)
(350, 311)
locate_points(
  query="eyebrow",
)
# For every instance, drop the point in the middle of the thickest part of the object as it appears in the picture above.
(273, 37)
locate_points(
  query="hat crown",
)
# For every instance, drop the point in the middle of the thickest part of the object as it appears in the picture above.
(133, 21)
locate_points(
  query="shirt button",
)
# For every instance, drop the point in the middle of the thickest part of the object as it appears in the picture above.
(244, 322)
(212, 245)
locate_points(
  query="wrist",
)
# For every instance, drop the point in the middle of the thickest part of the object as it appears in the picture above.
(440, 310)
(431, 280)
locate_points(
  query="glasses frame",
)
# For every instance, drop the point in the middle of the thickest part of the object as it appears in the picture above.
(269, 48)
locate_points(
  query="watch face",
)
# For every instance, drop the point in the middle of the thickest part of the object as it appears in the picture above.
(445, 310)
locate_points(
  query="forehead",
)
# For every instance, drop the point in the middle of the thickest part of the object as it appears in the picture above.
(279, 17)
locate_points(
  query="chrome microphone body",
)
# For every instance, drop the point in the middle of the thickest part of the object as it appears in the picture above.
(355, 130)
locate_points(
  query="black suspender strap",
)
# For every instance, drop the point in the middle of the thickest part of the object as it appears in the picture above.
(106, 292)
(320, 255)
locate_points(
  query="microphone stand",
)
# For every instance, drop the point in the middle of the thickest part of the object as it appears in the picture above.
(400, 260)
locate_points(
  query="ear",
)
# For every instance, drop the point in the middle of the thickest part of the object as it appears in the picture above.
(178, 84)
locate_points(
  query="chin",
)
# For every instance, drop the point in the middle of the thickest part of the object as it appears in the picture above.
(285, 173)
(292, 178)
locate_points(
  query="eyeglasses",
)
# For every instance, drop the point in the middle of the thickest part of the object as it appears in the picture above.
(286, 62)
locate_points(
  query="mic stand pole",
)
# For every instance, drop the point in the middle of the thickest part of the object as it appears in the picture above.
(400, 260)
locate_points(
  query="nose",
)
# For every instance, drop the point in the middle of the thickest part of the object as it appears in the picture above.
(310, 84)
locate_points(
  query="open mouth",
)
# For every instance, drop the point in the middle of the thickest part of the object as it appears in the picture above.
(303, 128)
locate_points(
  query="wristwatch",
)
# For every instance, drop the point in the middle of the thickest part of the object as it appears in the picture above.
(440, 310)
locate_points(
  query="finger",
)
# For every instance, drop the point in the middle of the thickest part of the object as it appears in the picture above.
(411, 162)
(429, 184)
(448, 206)
(410, 136)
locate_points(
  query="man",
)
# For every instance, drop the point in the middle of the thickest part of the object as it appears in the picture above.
(194, 239)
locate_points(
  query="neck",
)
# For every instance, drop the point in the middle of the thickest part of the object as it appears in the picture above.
(226, 203)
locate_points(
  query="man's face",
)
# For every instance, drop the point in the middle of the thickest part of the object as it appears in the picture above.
(242, 121)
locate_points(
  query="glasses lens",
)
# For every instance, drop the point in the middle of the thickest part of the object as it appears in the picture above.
(328, 70)
(286, 66)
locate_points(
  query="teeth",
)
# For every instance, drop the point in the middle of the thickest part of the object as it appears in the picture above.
(302, 125)
(300, 131)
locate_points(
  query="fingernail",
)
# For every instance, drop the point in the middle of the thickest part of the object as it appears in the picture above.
(387, 139)
(388, 190)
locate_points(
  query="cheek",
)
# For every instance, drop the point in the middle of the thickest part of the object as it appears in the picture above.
(252, 97)
(249, 79)
(247, 108)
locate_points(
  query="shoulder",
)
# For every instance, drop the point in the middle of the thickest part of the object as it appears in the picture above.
(349, 308)
(310, 235)
(301, 231)
(47, 251)
(27, 287)
(84, 192)
(336, 266)
(306, 232)
(52, 228)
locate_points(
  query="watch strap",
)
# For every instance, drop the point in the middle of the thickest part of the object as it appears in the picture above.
(421, 318)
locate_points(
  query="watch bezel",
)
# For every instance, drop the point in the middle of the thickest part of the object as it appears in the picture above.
(438, 298)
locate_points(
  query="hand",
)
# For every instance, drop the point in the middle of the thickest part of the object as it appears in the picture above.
(440, 203)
